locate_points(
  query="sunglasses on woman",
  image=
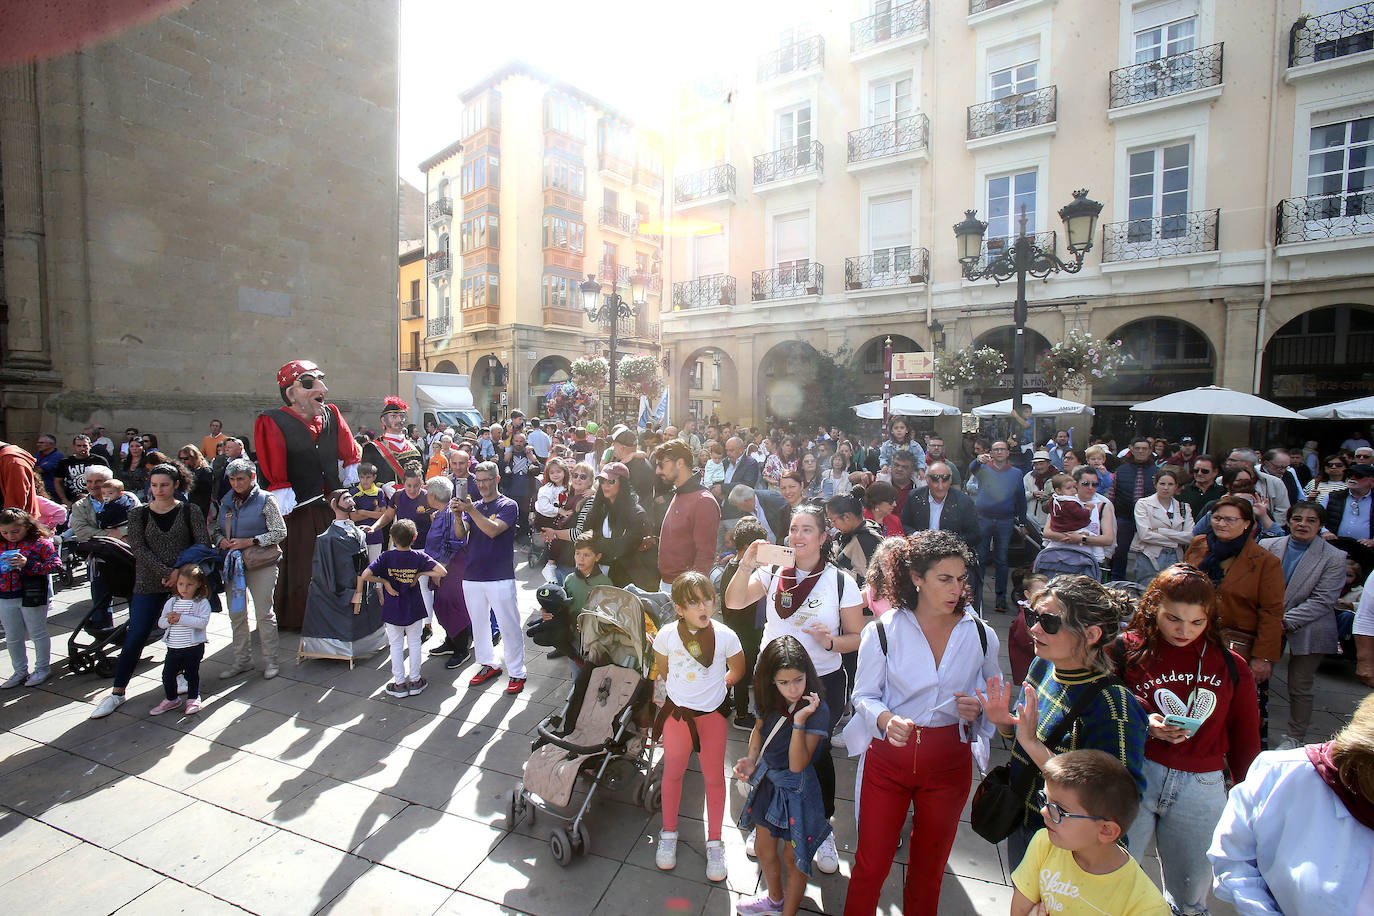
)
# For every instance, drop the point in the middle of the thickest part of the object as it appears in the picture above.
(1050, 623)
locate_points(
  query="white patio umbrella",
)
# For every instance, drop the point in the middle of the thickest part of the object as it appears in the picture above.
(906, 405)
(1041, 405)
(1215, 401)
(1358, 409)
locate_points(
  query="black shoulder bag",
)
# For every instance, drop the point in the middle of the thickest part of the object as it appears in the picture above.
(999, 804)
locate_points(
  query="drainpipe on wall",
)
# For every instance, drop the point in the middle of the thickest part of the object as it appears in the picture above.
(1270, 229)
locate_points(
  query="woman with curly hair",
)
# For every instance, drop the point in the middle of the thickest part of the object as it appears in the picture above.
(1174, 661)
(1071, 623)
(918, 671)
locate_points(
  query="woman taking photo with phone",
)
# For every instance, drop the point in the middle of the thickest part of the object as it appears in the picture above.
(914, 697)
(1071, 623)
(1203, 716)
(819, 605)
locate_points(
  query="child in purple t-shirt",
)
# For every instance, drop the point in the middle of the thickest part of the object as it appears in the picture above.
(399, 571)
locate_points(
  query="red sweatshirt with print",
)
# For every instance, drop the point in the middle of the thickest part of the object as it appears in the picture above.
(1169, 680)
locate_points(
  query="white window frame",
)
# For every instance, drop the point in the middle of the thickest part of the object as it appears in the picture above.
(1165, 228)
(896, 260)
(1364, 197)
(797, 285)
(795, 141)
(995, 240)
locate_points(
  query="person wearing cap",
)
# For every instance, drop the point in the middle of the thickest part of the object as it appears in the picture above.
(392, 451)
(618, 525)
(625, 449)
(1350, 515)
(305, 450)
(1186, 456)
(1039, 493)
(687, 540)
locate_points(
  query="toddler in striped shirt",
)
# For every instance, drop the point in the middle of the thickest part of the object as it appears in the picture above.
(184, 618)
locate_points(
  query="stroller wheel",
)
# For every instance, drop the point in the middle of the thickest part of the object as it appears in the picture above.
(651, 796)
(79, 662)
(515, 811)
(584, 839)
(105, 667)
(560, 844)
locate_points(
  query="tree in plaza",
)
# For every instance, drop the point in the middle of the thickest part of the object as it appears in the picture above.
(837, 378)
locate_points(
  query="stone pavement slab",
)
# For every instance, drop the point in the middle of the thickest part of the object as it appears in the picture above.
(316, 792)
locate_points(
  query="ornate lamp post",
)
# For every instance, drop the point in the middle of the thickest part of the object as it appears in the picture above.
(1024, 258)
(610, 311)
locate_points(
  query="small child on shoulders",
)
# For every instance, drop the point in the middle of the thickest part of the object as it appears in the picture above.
(1076, 865)
(713, 472)
(1067, 514)
(399, 571)
(184, 619)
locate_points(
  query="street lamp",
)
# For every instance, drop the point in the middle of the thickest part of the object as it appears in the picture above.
(609, 311)
(1025, 258)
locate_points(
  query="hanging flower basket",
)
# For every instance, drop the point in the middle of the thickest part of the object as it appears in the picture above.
(638, 375)
(590, 372)
(965, 368)
(1078, 360)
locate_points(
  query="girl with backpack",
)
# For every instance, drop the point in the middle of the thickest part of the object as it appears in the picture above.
(1203, 714)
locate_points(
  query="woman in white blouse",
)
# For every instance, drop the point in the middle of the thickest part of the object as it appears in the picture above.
(821, 606)
(1163, 526)
(916, 717)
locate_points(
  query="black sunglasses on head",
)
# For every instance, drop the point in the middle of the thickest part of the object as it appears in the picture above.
(308, 381)
(1050, 623)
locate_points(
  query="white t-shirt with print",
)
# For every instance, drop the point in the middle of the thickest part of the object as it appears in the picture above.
(836, 589)
(687, 684)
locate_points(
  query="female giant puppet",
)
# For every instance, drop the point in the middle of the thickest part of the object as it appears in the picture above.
(306, 450)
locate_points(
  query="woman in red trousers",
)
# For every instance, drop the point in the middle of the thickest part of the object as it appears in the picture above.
(916, 718)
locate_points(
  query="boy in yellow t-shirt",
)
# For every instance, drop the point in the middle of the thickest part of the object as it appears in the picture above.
(1076, 865)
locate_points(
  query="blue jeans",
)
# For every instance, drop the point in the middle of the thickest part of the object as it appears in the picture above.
(1179, 811)
(22, 626)
(1125, 533)
(994, 539)
(144, 610)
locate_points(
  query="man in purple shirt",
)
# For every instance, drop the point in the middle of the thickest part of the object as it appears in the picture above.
(489, 579)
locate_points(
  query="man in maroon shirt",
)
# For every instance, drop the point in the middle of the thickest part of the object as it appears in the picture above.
(688, 538)
(903, 476)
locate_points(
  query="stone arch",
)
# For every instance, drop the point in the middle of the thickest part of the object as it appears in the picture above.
(446, 365)
(549, 371)
(787, 380)
(487, 380)
(1320, 355)
(716, 382)
(1167, 355)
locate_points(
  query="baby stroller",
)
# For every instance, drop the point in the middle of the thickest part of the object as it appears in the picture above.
(1065, 560)
(89, 648)
(600, 733)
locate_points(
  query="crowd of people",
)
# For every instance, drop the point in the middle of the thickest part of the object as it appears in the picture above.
(823, 580)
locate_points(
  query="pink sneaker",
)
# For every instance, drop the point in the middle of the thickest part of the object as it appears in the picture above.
(165, 706)
(192, 706)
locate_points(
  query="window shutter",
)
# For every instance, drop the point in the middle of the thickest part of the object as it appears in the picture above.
(791, 238)
(710, 254)
(889, 222)
(1010, 55)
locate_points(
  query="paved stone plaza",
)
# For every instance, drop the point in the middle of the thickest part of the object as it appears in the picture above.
(316, 792)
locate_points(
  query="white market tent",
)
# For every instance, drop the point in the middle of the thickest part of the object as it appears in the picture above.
(906, 405)
(1215, 401)
(1358, 409)
(1041, 405)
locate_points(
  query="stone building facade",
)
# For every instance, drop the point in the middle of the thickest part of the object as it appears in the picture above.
(191, 203)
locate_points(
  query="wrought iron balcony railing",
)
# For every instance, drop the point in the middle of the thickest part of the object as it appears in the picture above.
(796, 57)
(1332, 35)
(437, 327)
(719, 179)
(789, 162)
(441, 208)
(1325, 216)
(614, 274)
(413, 308)
(1012, 112)
(704, 292)
(617, 220)
(781, 282)
(1172, 75)
(889, 267)
(903, 135)
(438, 264)
(993, 248)
(982, 6)
(1161, 236)
(898, 22)
(410, 361)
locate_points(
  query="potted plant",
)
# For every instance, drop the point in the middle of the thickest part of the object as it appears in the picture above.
(638, 374)
(590, 372)
(1078, 359)
(968, 367)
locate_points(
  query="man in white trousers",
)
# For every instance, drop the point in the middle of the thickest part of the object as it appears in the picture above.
(489, 580)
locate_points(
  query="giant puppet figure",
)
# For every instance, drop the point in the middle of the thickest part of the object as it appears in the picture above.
(306, 450)
(393, 451)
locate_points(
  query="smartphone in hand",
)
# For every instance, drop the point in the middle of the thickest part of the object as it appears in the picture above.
(775, 555)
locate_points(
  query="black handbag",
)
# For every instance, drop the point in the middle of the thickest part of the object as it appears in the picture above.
(999, 804)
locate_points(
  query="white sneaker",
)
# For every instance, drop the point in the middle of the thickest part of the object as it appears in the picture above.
(15, 680)
(270, 671)
(715, 861)
(666, 857)
(235, 670)
(749, 845)
(837, 740)
(108, 705)
(827, 858)
(551, 573)
(38, 677)
(183, 688)
(1288, 743)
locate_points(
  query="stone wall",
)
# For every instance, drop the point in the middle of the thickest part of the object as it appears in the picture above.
(214, 192)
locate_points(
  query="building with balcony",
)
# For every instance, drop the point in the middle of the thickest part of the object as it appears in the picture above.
(544, 184)
(410, 294)
(1231, 155)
